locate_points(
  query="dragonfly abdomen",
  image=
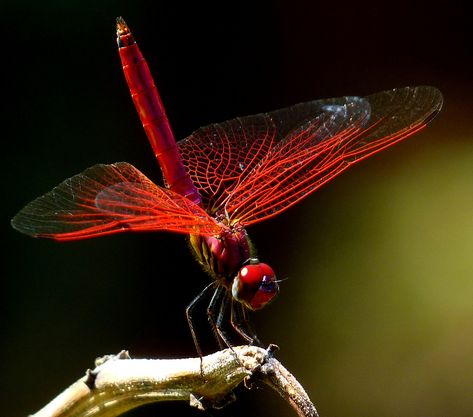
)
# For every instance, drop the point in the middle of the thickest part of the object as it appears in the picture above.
(150, 108)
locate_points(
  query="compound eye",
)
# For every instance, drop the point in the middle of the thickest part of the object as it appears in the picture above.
(255, 286)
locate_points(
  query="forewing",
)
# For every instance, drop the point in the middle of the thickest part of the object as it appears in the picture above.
(303, 147)
(108, 199)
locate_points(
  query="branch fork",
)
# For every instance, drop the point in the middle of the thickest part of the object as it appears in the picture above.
(118, 383)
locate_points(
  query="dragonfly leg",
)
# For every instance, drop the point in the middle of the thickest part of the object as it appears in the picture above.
(190, 320)
(220, 320)
(240, 322)
(216, 322)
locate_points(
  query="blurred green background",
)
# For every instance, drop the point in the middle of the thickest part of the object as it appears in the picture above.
(375, 318)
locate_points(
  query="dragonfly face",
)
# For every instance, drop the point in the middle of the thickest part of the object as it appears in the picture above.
(255, 285)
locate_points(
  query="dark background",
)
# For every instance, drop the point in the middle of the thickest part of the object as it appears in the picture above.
(376, 316)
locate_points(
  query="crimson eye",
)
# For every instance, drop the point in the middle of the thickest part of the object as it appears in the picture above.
(255, 286)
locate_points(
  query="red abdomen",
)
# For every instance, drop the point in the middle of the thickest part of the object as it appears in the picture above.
(153, 116)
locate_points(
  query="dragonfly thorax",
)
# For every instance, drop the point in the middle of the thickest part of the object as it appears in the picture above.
(223, 255)
(230, 259)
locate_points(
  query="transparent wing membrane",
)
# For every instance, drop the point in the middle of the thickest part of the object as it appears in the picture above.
(108, 199)
(251, 168)
(246, 169)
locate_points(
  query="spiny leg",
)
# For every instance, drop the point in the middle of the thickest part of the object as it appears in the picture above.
(235, 321)
(190, 320)
(221, 317)
(216, 322)
(240, 322)
(249, 325)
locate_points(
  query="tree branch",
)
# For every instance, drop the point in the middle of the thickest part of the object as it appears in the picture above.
(119, 384)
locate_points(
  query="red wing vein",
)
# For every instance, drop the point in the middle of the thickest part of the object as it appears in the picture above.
(304, 161)
(108, 199)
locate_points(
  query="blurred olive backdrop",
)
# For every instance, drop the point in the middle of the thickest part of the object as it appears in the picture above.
(376, 315)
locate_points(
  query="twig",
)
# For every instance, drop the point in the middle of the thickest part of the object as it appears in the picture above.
(281, 380)
(119, 384)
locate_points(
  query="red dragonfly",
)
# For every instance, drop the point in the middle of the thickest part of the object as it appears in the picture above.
(223, 178)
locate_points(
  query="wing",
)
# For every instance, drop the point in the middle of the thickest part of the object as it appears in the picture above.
(254, 167)
(108, 199)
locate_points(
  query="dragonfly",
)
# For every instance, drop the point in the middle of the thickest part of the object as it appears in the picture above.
(223, 178)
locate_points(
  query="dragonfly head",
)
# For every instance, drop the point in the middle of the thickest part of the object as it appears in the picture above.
(255, 285)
